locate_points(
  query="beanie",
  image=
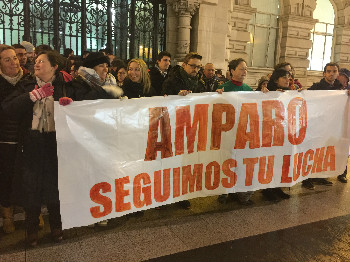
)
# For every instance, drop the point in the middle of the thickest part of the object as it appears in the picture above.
(94, 59)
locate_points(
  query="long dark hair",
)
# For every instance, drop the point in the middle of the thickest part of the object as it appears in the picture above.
(272, 85)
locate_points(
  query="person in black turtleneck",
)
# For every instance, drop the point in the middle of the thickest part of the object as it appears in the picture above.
(138, 83)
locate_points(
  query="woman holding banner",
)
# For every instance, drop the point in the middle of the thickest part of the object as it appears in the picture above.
(279, 81)
(33, 106)
(138, 82)
(94, 81)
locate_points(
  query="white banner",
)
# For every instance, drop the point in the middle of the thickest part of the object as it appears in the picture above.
(117, 157)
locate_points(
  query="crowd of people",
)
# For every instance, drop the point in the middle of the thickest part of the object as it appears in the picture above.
(32, 78)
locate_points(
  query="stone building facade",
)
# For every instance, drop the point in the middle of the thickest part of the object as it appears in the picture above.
(218, 30)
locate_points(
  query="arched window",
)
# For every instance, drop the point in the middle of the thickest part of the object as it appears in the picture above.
(263, 28)
(322, 36)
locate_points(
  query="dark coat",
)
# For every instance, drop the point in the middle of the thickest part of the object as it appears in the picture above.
(83, 91)
(36, 180)
(324, 85)
(211, 84)
(9, 133)
(175, 82)
(9, 127)
(135, 90)
(157, 80)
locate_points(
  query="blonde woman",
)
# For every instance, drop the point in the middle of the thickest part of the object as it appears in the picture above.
(138, 83)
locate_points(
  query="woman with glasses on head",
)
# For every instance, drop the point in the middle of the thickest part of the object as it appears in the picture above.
(138, 82)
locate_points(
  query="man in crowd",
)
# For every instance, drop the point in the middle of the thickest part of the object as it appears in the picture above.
(328, 82)
(209, 78)
(30, 56)
(184, 79)
(159, 72)
(21, 54)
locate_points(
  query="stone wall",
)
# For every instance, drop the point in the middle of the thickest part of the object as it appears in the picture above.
(218, 30)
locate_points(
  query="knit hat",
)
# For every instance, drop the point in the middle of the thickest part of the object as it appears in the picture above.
(28, 46)
(94, 59)
(344, 72)
(262, 80)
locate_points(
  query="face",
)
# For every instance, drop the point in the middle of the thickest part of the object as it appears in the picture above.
(331, 74)
(9, 63)
(209, 71)
(102, 70)
(240, 73)
(164, 63)
(30, 56)
(192, 67)
(343, 80)
(21, 55)
(121, 74)
(283, 81)
(134, 72)
(111, 58)
(43, 68)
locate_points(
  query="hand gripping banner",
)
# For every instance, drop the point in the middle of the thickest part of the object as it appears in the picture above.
(118, 157)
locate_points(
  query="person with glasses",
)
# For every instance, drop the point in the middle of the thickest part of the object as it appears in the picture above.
(184, 79)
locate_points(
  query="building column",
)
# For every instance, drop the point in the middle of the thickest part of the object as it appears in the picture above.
(184, 10)
(297, 23)
(342, 38)
(240, 13)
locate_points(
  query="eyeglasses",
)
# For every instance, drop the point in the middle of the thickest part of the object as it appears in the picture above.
(195, 66)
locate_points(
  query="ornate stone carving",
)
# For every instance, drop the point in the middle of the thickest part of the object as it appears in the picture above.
(182, 7)
(303, 7)
(183, 48)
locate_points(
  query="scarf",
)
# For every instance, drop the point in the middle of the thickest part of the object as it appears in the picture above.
(237, 83)
(43, 111)
(13, 80)
(91, 77)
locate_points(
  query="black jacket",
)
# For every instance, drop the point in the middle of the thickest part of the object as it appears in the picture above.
(36, 180)
(9, 126)
(211, 84)
(83, 91)
(324, 85)
(157, 80)
(135, 90)
(175, 82)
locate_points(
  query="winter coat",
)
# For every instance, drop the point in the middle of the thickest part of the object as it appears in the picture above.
(211, 84)
(84, 91)
(36, 182)
(324, 85)
(135, 90)
(176, 82)
(157, 80)
(9, 127)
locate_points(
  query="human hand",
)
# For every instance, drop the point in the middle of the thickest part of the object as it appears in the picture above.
(264, 90)
(184, 92)
(220, 90)
(42, 92)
